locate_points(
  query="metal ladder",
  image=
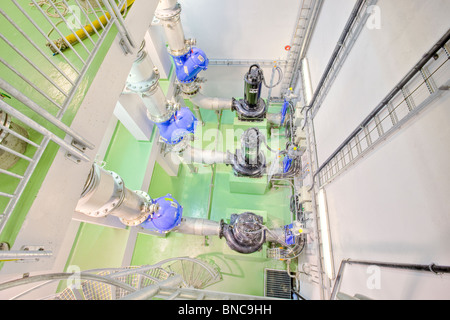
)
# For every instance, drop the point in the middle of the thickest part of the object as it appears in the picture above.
(427, 81)
(298, 38)
(360, 15)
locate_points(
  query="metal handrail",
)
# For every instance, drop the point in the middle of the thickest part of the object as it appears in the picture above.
(51, 75)
(430, 268)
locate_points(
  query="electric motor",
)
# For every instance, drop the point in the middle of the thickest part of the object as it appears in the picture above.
(253, 83)
(252, 107)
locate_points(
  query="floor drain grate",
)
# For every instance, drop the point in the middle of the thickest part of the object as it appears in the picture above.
(277, 284)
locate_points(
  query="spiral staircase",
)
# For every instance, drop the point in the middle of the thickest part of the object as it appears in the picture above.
(181, 278)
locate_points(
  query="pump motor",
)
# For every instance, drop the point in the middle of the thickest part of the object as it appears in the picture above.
(253, 107)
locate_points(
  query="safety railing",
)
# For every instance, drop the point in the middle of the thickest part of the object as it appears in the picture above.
(47, 52)
(135, 282)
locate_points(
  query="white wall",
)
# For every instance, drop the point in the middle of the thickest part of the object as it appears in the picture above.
(236, 29)
(393, 205)
(377, 62)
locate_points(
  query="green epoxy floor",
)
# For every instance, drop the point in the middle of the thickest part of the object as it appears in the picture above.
(103, 247)
(98, 247)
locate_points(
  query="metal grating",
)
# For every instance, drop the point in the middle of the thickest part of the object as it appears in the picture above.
(277, 284)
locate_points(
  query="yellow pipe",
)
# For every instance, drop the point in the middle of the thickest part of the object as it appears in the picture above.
(72, 39)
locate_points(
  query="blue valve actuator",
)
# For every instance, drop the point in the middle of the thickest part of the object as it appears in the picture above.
(189, 65)
(287, 163)
(182, 123)
(167, 217)
(289, 235)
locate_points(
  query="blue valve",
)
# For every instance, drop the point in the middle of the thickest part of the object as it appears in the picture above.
(167, 217)
(189, 65)
(178, 126)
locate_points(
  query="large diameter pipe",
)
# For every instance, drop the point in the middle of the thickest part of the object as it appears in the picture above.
(143, 80)
(142, 69)
(211, 103)
(199, 227)
(169, 14)
(158, 108)
(105, 194)
(195, 155)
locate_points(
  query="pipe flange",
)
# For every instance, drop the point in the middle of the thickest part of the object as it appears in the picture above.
(180, 147)
(189, 89)
(177, 53)
(147, 87)
(170, 14)
(116, 199)
(171, 108)
(145, 213)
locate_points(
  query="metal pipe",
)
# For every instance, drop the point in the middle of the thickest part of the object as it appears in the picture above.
(199, 227)
(195, 155)
(143, 80)
(105, 193)
(169, 14)
(433, 268)
(212, 103)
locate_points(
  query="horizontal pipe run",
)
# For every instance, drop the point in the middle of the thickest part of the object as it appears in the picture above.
(200, 227)
(433, 268)
(210, 103)
(195, 155)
